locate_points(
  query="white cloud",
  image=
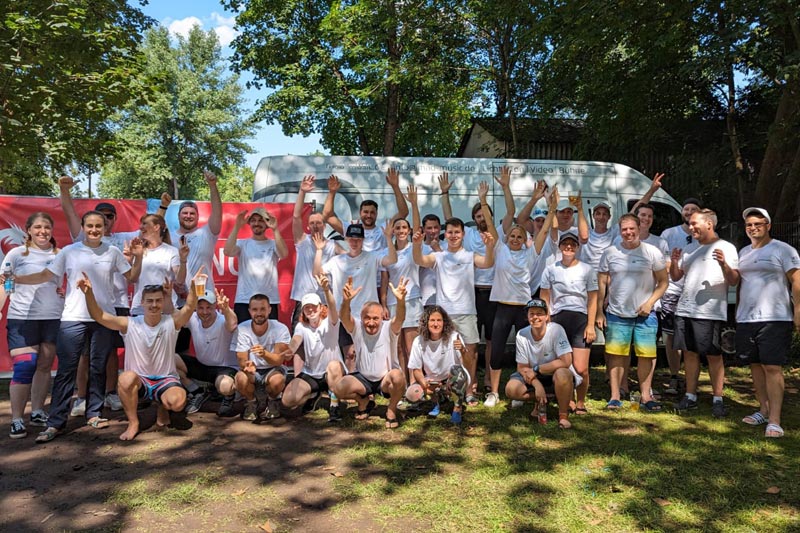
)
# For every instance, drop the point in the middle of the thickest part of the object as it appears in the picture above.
(216, 18)
(225, 34)
(223, 26)
(183, 26)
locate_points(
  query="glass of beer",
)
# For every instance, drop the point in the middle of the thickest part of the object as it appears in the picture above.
(200, 284)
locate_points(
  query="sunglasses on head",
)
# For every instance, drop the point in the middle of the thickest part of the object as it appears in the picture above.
(153, 287)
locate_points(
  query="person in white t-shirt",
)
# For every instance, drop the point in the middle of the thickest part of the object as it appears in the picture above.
(765, 320)
(33, 317)
(160, 261)
(262, 349)
(258, 260)
(214, 361)
(708, 269)
(377, 370)
(431, 227)
(322, 363)
(150, 372)
(634, 275)
(303, 281)
(544, 359)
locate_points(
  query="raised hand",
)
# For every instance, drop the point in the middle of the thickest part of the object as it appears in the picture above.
(333, 183)
(444, 183)
(136, 247)
(483, 190)
(319, 241)
(388, 229)
(504, 180)
(167, 287)
(411, 195)
(348, 292)
(323, 281)
(209, 177)
(417, 237)
(657, 179)
(393, 177)
(271, 221)
(552, 202)
(66, 182)
(719, 256)
(540, 189)
(84, 284)
(487, 238)
(223, 302)
(183, 250)
(576, 200)
(400, 291)
(166, 199)
(307, 185)
(241, 218)
(675, 255)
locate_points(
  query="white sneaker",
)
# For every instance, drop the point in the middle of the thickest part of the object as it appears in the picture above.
(491, 400)
(113, 402)
(78, 407)
(516, 404)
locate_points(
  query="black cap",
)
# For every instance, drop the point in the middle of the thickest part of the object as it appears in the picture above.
(355, 230)
(105, 206)
(569, 236)
(536, 303)
(694, 201)
(187, 203)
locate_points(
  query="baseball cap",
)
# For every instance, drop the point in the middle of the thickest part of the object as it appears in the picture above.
(603, 203)
(187, 203)
(568, 236)
(310, 299)
(757, 210)
(690, 200)
(355, 230)
(105, 206)
(260, 211)
(539, 213)
(209, 297)
(536, 303)
(564, 204)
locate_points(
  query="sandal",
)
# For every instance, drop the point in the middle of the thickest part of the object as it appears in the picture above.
(774, 431)
(392, 423)
(652, 406)
(47, 435)
(581, 411)
(98, 423)
(472, 400)
(614, 405)
(563, 421)
(756, 419)
(363, 414)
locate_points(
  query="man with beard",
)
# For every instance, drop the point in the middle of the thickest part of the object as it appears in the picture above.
(258, 260)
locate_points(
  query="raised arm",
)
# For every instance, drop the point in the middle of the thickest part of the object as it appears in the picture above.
(328, 214)
(183, 257)
(136, 247)
(543, 235)
(166, 199)
(280, 244)
(527, 209)
(181, 316)
(65, 184)
(298, 233)
(483, 191)
(224, 306)
(411, 196)
(391, 251)
(231, 249)
(486, 261)
(345, 315)
(400, 311)
(330, 301)
(444, 186)
(583, 224)
(650, 192)
(426, 261)
(319, 243)
(511, 209)
(393, 179)
(117, 323)
(215, 219)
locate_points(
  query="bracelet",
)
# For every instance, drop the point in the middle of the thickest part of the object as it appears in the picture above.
(165, 207)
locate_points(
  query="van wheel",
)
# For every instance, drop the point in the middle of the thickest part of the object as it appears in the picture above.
(727, 340)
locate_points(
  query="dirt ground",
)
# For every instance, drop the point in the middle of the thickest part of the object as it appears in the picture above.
(219, 475)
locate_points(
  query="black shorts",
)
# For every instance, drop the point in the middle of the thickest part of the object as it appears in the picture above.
(344, 338)
(318, 385)
(372, 387)
(209, 374)
(486, 311)
(545, 380)
(22, 333)
(766, 343)
(574, 324)
(698, 335)
(116, 339)
(242, 312)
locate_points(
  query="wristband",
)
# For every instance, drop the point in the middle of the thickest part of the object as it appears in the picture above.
(536, 368)
(165, 207)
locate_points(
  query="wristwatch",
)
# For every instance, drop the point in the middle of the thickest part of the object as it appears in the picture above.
(536, 368)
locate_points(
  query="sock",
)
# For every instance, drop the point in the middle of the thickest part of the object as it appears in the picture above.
(692, 397)
(334, 399)
(717, 399)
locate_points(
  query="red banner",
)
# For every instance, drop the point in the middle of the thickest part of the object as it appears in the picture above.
(14, 210)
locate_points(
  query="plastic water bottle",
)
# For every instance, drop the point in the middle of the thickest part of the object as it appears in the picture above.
(542, 413)
(9, 285)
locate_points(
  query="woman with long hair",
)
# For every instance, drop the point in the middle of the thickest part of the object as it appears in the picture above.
(161, 261)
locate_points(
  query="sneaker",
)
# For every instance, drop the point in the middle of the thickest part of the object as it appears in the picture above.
(516, 404)
(718, 410)
(436, 411)
(686, 404)
(226, 406)
(39, 418)
(78, 407)
(113, 402)
(249, 412)
(672, 388)
(455, 417)
(273, 410)
(413, 406)
(334, 414)
(491, 400)
(18, 430)
(312, 404)
(196, 401)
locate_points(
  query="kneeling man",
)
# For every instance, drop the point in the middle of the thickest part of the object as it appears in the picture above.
(544, 357)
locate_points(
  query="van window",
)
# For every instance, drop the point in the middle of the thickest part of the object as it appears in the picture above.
(665, 216)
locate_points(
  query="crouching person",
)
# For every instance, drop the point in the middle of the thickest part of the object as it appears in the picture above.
(150, 372)
(544, 359)
(377, 370)
(317, 332)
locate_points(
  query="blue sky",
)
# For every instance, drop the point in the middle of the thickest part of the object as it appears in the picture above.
(179, 16)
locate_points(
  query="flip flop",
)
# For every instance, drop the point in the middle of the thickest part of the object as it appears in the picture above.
(652, 406)
(756, 419)
(472, 400)
(563, 422)
(614, 405)
(773, 431)
(363, 414)
(98, 423)
(47, 435)
(580, 411)
(392, 423)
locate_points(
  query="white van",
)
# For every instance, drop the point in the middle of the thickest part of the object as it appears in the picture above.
(277, 179)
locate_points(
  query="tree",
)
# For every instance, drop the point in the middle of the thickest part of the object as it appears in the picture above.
(191, 120)
(235, 184)
(372, 77)
(65, 67)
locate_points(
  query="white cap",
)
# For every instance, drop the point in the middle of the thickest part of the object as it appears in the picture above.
(564, 204)
(603, 203)
(209, 297)
(310, 299)
(763, 212)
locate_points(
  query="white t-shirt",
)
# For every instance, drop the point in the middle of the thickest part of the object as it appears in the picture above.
(434, 358)
(705, 292)
(33, 302)
(376, 354)
(553, 345)
(374, 238)
(304, 282)
(364, 268)
(117, 240)
(632, 281)
(764, 289)
(473, 242)
(320, 346)
(212, 345)
(569, 287)
(427, 280)
(246, 338)
(592, 251)
(407, 268)
(545, 258)
(157, 264)
(512, 274)
(150, 351)
(100, 265)
(676, 237)
(258, 270)
(202, 246)
(455, 277)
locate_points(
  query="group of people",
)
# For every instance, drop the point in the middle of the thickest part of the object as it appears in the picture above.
(399, 311)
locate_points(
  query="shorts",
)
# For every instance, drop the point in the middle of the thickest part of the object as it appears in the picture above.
(242, 311)
(641, 331)
(207, 373)
(413, 312)
(467, 326)
(486, 311)
(116, 339)
(765, 343)
(263, 374)
(154, 387)
(344, 338)
(318, 385)
(698, 335)
(574, 324)
(22, 333)
(546, 381)
(666, 315)
(372, 387)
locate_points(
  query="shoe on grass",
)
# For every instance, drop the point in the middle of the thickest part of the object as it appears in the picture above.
(436, 411)
(196, 402)
(39, 418)
(250, 412)
(516, 404)
(273, 410)
(334, 414)
(718, 410)
(686, 404)
(78, 407)
(226, 407)
(491, 400)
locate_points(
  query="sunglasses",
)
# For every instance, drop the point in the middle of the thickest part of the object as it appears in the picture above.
(153, 288)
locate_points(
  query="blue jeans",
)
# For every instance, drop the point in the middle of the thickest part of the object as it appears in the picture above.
(72, 338)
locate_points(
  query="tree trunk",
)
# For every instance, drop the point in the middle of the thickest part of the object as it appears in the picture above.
(392, 119)
(731, 115)
(787, 205)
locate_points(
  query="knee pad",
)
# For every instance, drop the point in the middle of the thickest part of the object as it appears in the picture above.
(24, 366)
